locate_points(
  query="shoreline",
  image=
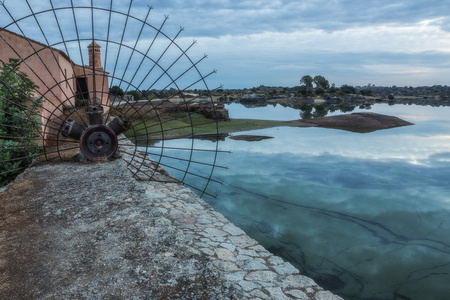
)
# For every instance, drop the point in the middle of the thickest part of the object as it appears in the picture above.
(129, 239)
(362, 122)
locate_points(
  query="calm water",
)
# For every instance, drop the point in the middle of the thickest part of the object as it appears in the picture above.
(365, 215)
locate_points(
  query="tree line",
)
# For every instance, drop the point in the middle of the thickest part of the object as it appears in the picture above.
(322, 86)
(144, 94)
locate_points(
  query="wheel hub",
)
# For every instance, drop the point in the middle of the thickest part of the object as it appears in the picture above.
(98, 142)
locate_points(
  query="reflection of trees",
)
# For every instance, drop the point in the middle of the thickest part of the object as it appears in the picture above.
(365, 106)
(308, 111)
(254, 104)
(347, 108)
(320, 111)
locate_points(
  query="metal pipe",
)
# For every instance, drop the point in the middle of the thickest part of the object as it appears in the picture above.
(72, 129)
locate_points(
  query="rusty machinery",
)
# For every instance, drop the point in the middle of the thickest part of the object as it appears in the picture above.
(106, 84)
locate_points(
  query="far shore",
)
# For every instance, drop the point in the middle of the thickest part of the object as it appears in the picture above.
(362, 122)
(359, 122)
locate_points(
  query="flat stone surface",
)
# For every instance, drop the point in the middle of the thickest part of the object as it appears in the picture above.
(87, 231)
(250, 138)
(92, 231)
(361, 121)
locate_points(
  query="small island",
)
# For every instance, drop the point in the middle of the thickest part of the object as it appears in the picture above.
(250, 138)
(361, 122)
(358, 122)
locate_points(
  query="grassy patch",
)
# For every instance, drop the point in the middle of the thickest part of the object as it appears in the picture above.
(236, 125)
(171, 126)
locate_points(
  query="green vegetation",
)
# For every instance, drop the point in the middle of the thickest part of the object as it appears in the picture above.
(348, 89)
(321, 82)
(322, 86)
(170, 125)
(116, 91)
(136, 94)
(20, 124)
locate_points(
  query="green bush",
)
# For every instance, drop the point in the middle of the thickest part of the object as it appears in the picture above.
(19, 121)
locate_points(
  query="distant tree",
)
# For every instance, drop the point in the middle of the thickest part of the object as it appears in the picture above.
(308, 82)
(366, 92)
(333, 89)
(116, 91)
(153, 93)
(173, 91)
(321, 82)
(136, 94)
(320, 91)
(348, 89)
(163, 95)
(146, 94)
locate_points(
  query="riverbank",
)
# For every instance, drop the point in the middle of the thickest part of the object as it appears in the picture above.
(107, 235)
(198, 125)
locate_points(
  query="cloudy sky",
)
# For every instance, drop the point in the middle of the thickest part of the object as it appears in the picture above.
(276, 42)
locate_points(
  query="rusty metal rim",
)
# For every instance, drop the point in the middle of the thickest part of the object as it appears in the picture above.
(98, 142)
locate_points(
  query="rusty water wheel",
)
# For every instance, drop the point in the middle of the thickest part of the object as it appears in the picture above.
(85, 62)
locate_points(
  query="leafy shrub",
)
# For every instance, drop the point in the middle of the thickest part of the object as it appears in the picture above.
(19, 121)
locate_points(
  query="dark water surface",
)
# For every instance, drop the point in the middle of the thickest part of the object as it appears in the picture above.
(365, 215)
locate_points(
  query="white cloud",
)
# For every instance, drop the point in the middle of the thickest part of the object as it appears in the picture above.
(423, 36)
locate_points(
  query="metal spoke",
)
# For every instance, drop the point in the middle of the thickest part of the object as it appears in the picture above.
(62, 117)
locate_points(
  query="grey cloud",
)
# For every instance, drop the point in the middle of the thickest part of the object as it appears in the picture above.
(247, 17)
(286, 64)
(226, 17)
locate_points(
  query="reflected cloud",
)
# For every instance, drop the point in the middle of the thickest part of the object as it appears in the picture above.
(355, 212)
(344, 219)
(388, 145)
(365, 215)
(440, 159)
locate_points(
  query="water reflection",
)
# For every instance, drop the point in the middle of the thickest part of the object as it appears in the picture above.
(366, 216)
(357, 228)
(291, 111)
(308, 111)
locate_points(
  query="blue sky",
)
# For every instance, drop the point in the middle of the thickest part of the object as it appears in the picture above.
(263, 42)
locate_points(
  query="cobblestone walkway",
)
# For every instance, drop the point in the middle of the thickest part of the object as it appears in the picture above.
(253, 270)
(92, 231)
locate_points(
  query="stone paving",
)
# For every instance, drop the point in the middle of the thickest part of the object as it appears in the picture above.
(248, 266)
(253, 270)
(92, 231)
